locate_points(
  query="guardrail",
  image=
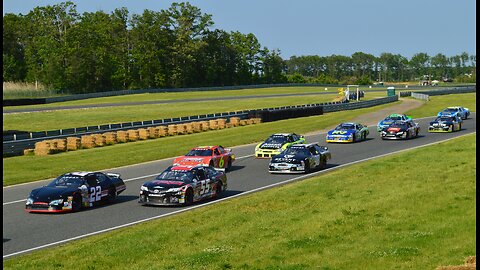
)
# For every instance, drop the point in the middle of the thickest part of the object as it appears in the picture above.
(457, 90)
(14, 144)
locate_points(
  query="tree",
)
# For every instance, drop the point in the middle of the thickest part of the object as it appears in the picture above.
(14, 65)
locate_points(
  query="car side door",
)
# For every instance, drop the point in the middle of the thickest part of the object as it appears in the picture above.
(94, 189)
(314, 157)
(203, 183)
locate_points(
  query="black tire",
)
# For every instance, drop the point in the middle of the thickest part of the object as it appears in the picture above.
(219, 189)
(307, 166)
(112, 195)
(211, 163)
(354, 139)
(189, 197)
(452, 128)
(77, 203)
(229, 165)
(323, 163)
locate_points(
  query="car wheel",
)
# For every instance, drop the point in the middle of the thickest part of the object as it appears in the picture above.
(112, 195)
(460, 126)
(189, 197)
(307, 166)
(219, 189)
(77, 203)
(229, 165)
(451, 128)
(323, 163)
(211, 163)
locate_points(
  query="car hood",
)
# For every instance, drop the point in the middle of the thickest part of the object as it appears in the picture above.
(441, 122)
(163, 184)
(271, 145)
(386, 122)
(189, 160)
(341, 132)
(288, 158)
(46, 194)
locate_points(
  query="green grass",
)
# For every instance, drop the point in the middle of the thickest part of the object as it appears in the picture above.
(51, 120)
(23, 169)
(371, 215)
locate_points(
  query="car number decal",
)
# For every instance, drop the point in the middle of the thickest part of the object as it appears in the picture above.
(95, 193)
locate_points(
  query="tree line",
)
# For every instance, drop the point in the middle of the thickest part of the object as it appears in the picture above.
(177, 47)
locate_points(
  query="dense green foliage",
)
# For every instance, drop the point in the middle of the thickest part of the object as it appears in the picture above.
(359, 217)
(179, 47)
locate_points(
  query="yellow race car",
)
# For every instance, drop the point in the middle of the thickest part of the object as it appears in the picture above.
(276, 143)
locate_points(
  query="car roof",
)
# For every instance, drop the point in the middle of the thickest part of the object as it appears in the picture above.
(396, 114)
(206, 147)
(304, 145)
(282, 134)
(349, 123)
(185, 167)
(82, 174)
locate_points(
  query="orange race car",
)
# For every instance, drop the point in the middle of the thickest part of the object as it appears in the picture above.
(215, 156)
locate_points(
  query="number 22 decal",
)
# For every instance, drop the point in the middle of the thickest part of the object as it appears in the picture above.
(95, 193)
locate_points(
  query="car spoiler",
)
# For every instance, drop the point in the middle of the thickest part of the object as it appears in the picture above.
(117, 175)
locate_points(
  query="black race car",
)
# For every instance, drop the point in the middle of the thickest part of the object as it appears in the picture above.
(300, 158)
(400, 130)
(446, 123)
(183, 184)
(74, 191)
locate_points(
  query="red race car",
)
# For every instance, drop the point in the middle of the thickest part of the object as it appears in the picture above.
(215, 156)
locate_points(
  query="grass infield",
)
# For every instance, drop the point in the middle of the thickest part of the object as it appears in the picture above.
(395, 212)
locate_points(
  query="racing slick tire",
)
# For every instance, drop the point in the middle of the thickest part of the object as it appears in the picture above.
(189, 197)
(323, 163)
(77, 203)
(218, 189)
(112, 195)
(211, 163)
(229, 165)
(307, 167)
(459, 126)
(451, 128)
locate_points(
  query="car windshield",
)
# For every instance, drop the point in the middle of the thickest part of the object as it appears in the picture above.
(345, 127)
(394, 117)
(67, 181)
(448, 110)
(443, 118)
(296, 151)
(276, 140)
(199, 153)
(183, 176)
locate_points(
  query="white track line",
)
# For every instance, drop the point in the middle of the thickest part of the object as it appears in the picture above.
(227, 198)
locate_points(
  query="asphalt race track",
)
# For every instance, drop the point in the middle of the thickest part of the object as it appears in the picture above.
(24, 232)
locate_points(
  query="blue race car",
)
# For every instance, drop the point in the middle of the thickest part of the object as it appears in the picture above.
(391, 119)
(348, 132)
(457, 110)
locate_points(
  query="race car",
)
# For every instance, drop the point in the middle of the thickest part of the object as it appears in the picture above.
(74, 191)
(445, 123)
(400, 130)
(215, 156)
(183, 185)
(457, 110)
(300, 158)
(392, 118)
(348, 132)
(276, 143)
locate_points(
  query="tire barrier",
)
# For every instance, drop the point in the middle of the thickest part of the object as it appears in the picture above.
(275, 115)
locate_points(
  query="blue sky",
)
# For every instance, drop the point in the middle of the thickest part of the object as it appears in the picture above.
(324, 27)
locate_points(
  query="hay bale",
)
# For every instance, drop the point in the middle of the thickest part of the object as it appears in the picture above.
(58, 145)
(143, 134)
(110, 138)
(122, 136)
(152, 132)
(197, 126)
(162, 131)
(471, 260)
(73, 143)
(98, 140)
(132, 135)
(205, 125)
(189, 128)
(87, 141)
(172, 130)
(221, 123)
(257, 120)
(243, 122)
(213, 124)
(456, 267)
(235, 121)
(229, 125)
(42, 148)
(28, 151)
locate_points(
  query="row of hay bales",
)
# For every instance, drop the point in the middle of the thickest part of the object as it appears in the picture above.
(48, 147)
(470, 264)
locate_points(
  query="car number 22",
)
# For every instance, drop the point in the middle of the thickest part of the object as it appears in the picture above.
(95, 193)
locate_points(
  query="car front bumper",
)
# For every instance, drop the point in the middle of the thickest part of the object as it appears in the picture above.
(160, 199)
(267, 153)
(286, 168)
